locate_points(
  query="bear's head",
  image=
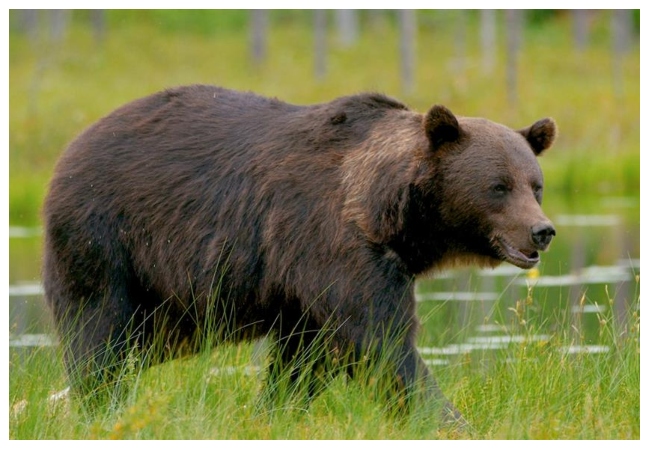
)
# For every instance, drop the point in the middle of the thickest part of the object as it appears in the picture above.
(488, 188)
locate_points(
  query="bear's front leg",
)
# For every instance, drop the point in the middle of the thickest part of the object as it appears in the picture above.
(300, 362)
(423, 390)
(379, 325)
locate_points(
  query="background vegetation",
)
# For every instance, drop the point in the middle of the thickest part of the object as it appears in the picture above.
(66, 75)
(63, 80)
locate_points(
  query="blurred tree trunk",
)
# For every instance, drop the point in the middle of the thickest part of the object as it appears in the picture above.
(488, 39)
(622, 30)
(320, 43)
(29, 23)
(98, 23)
(513, 28)
(259, 25)
(407, 33)
(580, 28)
(460, 64)
(621, 24)
(59, 19)
(347, 24)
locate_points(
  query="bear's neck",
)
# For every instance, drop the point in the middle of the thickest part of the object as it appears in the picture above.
(421, 243)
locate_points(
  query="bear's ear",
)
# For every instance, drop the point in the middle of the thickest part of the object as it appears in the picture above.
(540, 135)
(441, 126)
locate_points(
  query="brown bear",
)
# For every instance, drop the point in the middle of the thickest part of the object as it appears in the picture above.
(201, 208)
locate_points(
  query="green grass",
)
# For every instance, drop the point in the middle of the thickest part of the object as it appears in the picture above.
(56, 90)
(537, 389)
(533, 389)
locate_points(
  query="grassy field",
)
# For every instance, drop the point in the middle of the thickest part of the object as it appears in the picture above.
(536, 389)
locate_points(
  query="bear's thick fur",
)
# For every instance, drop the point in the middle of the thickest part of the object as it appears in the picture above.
(204, 208)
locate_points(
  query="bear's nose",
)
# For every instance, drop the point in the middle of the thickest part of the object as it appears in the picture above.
(542, 233)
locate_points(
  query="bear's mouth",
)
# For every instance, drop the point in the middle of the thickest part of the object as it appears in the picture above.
(519, 258)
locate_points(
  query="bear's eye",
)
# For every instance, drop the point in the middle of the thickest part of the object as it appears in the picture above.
(538, 191)
(500, 188)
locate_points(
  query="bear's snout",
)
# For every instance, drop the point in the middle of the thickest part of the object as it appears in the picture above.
(541, 234)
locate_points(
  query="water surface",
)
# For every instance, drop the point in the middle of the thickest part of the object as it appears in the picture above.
(591, 271)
